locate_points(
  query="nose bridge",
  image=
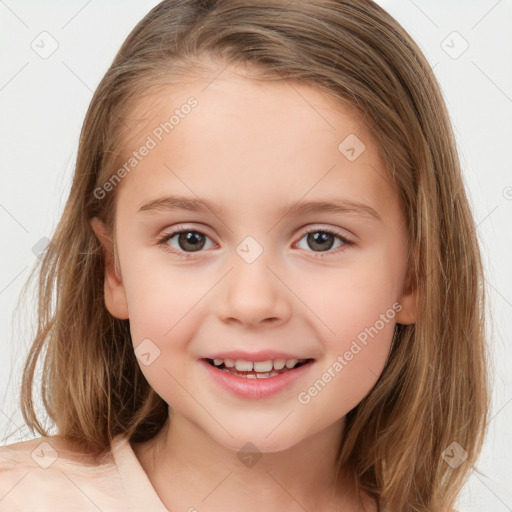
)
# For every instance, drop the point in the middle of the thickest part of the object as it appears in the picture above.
(252, 292)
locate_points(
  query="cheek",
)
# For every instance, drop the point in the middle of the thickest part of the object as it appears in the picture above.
(349, 300)
(161, 299)
(353, 359)
(357, 307)
(162, 318)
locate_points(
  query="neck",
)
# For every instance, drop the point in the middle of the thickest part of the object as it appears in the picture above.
(189, 469)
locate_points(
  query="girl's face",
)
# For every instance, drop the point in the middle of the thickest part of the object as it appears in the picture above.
(252, 277)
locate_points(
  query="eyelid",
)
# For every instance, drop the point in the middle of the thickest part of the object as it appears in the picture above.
(342, 233)
(309, 228)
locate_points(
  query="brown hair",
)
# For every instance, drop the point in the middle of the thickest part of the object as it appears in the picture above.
(434, 388)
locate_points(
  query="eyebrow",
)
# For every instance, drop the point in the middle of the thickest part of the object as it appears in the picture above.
(335, 205)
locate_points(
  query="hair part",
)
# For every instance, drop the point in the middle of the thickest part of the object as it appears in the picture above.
(433, 390)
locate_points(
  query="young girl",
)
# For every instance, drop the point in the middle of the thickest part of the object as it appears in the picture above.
(265, 291)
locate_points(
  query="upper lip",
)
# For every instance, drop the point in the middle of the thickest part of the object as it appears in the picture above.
(262, 355)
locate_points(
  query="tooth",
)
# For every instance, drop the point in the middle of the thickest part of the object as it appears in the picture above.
(217, 362)
(262, 375)
(251, 376)
(243, 366)
(291, 363)
(273, 373)
(279, 364)
(229, 363)
(263, 366)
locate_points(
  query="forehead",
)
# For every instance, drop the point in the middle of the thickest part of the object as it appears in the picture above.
(237, 91)
(250, 138)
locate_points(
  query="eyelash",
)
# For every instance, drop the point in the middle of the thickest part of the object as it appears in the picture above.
(181, 254)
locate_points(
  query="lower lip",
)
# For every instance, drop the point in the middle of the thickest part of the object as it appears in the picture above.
(256, 388)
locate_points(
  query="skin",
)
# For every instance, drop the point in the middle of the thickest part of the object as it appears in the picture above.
(253, 146)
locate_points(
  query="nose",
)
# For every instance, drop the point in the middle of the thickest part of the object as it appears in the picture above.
(254, 294)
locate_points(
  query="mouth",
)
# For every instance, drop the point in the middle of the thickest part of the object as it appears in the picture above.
(258, 370)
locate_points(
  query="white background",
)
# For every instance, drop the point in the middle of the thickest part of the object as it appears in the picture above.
(43, 103)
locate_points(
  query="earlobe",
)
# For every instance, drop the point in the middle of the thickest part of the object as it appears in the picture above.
(408, 300)
(114, 292)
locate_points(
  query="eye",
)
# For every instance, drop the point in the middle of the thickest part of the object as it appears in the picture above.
(188, 241)
(323, 240)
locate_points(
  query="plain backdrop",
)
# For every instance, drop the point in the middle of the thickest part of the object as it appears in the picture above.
(45, 89)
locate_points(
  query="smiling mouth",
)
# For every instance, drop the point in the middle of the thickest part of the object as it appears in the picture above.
(273, 372)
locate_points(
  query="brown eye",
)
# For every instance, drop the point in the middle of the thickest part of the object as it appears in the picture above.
(323, 240)
(185, 241)
(191, 240)
(320, 240)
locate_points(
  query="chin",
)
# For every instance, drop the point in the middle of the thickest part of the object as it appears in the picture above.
(256, 437)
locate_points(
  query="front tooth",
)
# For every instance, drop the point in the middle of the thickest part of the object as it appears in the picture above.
(229, 363)
(279, 364)
(290, 363)
(243, 366)
(263, 366)
(262, 375)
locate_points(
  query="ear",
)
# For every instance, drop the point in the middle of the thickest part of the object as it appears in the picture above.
(408, 299)
(115, 296)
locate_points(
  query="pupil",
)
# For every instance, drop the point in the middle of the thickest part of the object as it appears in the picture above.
(191, 237)
(320, 237)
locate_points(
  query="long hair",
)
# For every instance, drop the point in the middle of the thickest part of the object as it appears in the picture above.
(434, 389)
